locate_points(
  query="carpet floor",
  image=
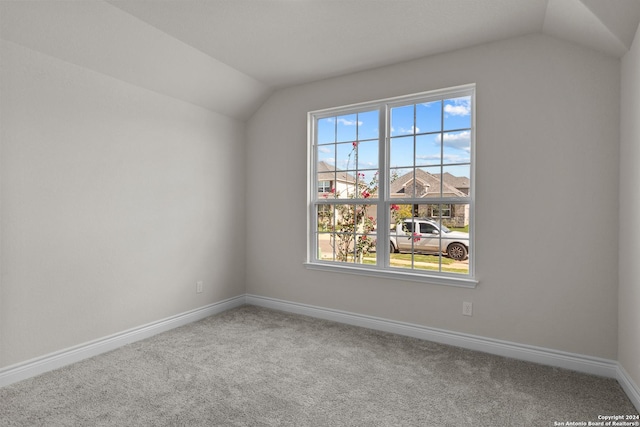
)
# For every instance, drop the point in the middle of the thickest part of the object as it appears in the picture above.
(252, 366)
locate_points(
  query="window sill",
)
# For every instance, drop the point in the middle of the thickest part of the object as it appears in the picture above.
(463, 282)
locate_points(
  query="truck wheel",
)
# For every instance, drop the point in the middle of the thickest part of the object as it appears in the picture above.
(392, 248)
(457, 251)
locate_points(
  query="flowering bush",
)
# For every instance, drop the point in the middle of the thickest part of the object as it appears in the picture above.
(353, 219)
(400, 212)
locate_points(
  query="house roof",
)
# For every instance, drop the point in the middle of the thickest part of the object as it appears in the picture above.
(455, 181)
(401, 187)
(326, 172)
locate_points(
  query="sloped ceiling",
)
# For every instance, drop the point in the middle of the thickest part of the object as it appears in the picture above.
(229, 55)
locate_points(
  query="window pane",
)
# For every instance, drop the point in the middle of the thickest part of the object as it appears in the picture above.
(327, 130)
(457, 147)
(346, 156)
(326, 178)
(346, 128)
(404, 185)
(325, 215)
(395, 183)
(367, 185)
(419, 182)
(367, 154)
(400, 212)
(325, 247)
(327, 155)
(459, 218)
(366, 249)
(345, 185)
(402, 120)
(458, 177)
(428, 150)
(343, 247)
(401, 151)
(368, 126)
(324, 236)
(457, 113)
(429, 117)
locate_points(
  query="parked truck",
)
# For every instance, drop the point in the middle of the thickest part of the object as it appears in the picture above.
(424, 235)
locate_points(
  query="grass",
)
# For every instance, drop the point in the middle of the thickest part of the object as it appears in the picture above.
(423, 262)
(433, 259)
(464, 229)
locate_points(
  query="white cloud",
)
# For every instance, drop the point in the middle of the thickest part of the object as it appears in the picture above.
(323, 149)
(457, 110)
(459, 107)
(458, 136)
(454, 158)
(346, 122)
(428, 157)
(458, 140)
(412, 129)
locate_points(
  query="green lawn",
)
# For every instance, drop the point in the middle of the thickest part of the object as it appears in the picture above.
(422, 258)
(421, 262)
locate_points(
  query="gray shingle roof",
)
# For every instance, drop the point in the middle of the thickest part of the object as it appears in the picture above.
(326, 172)
(462, 183)
(428, 185)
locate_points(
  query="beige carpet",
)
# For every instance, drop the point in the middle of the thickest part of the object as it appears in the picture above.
(256, 367)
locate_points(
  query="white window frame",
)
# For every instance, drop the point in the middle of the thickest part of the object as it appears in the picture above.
(382, 268)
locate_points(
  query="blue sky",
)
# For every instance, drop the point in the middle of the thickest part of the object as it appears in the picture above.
(429, 123)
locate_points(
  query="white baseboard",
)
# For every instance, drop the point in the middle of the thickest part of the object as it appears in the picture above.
(544, 356)
(629, 387)
(587, 364)
(40, 365)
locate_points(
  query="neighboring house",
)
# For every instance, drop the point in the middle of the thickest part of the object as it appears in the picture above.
(426, 185)
(461, 183)
(330, 180)
(332, 183)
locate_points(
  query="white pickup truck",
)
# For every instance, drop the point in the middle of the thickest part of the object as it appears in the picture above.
(424, 235)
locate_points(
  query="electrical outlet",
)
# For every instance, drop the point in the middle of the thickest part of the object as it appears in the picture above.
(199, 286)
(467, 308)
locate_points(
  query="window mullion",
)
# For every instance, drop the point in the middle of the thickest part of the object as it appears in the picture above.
(382, 244)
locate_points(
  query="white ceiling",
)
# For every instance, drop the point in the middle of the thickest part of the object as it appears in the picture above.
(228, 55)
(294, 41)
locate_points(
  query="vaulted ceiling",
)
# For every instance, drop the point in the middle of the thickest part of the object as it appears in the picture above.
(229, 55)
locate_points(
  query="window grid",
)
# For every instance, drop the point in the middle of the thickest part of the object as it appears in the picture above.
(454, 209)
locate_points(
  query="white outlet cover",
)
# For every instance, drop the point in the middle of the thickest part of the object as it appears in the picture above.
(467, 308)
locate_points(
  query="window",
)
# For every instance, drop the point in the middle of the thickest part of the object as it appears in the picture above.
(399, 200)
(440, 211)
(324, 186)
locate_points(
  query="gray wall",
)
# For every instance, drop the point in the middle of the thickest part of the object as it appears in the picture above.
(115, 200)
(547, 199)
(629, 287)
